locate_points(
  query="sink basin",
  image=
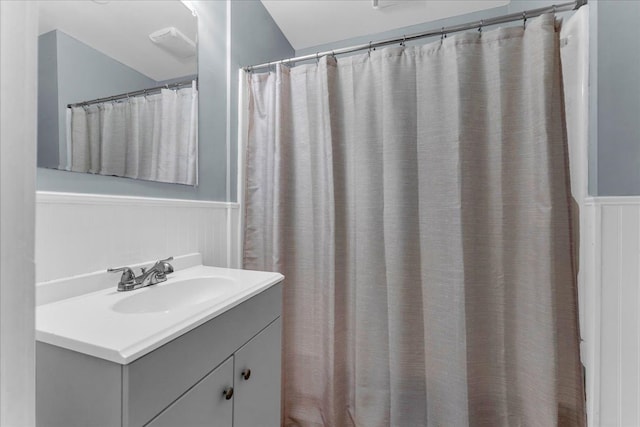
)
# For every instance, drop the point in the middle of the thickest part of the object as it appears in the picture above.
(123, 326)
(169, 296)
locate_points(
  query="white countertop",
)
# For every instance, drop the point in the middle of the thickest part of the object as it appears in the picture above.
(88, 324)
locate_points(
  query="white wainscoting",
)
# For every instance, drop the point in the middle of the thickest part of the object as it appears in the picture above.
(612, 304)
(82, 233)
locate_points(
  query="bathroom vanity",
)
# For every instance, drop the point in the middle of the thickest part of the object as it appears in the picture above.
(112, 359)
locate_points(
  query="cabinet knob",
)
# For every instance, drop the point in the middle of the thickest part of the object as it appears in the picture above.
(228, 393)
(246, 374)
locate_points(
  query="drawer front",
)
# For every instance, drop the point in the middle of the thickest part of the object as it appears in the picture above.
(204, 405)
(157, 379)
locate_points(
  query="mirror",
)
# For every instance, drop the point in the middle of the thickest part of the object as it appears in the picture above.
(117, 89)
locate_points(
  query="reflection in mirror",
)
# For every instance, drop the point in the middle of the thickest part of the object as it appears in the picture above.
(118, 89)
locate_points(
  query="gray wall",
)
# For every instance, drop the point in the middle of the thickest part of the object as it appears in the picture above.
(81, 73)
(48, 101)
(254, 38)
(618, 98)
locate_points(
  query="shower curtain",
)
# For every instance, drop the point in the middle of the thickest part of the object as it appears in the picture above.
(417, 201)
(152, 137)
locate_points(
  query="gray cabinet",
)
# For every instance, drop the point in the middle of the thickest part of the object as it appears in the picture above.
(178, 384)
(257, 380)
(204, 405)
(243, 392)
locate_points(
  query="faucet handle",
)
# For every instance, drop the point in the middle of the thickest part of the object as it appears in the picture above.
(127, 274)
(166, 267)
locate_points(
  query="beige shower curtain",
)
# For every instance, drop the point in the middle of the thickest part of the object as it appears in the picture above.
(416, 200)
(150, 137)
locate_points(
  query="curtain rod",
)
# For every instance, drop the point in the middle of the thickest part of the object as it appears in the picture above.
(441, 32)
(135, 93)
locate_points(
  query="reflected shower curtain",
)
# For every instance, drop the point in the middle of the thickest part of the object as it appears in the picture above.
(153, 137)
(416, 200)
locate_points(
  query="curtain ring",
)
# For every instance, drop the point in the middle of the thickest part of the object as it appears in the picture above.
(524, 19)
(442, 35)
(481, 25)
(317, 58)
(404, 38)
(554, 10)
(369, 51)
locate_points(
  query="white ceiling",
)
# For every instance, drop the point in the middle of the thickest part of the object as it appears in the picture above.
(120, 29)
(307, 23)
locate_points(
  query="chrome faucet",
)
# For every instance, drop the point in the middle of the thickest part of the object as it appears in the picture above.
(150, 276)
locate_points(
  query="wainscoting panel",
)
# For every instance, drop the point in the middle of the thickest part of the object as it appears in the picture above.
(615, 321)
(82, 233)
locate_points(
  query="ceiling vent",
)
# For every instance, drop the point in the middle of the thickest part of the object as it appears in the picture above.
(174, 42)
(381, 4)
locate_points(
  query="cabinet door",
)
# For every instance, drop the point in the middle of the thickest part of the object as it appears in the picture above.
(257, 394)
(204, 405)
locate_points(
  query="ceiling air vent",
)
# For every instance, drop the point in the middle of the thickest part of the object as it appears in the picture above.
(381, 4)
(174, 42)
